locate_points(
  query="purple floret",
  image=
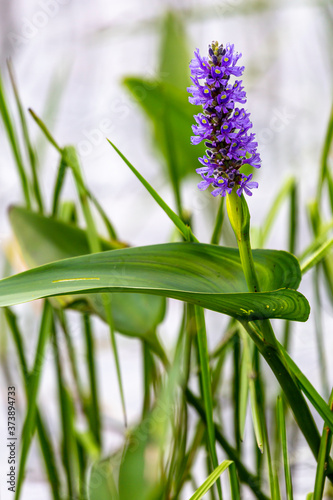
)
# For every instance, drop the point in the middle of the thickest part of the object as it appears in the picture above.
(223, 126)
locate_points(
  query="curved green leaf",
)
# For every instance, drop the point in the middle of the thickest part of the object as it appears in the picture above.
(206, 275)
(101, 484)
(45, 239)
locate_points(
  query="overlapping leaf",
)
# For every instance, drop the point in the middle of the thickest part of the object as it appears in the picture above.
(44, 239)
(206, 275)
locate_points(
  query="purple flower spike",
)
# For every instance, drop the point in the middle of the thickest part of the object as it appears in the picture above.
(222, 125)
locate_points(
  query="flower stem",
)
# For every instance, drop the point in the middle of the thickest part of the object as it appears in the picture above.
(239, 217)
(262, 332)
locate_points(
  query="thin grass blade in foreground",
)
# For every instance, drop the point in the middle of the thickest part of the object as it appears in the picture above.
(29, 423)
(211, 480)
(206, 386)
(183, 228)
(283, 435)
(13, 140)
(43, 435)
(324, 453)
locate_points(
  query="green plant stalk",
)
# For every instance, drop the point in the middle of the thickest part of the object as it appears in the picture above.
(90, 353)
(218, 224)
(29, 147)
(324, 451)
(239, 217)
(184, 229)
(206, 386)
(264, 338)
(272, 471)
(324, 158)
(72, 356)
(45, 442)
(290, 387)
(251, 374)
(236, 391)
(244, 475)
(70, 157)
(34, 379)
(211, 480)
(10, 129)
(66, 418)
(283, 436)
(320, 335)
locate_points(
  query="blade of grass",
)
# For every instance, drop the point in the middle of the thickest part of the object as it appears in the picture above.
(324, 158)
(45, 130)
(66, 417)
(70, 157)
(13, 140)
(30, 150)
(283, 436)
(58, 186)
(320, 334)
(110, 229)
(251, 375)
(236, 392)
(206, 385)
(316, 400)
(293, 218)
(287, 188)
(34, 381)
(52, 103)
(60, 313)
(317, 256)
(211, 479)
(44, 439)
(90, 354)
(244, 475)
(319, 240)
(272, 474)
(183, 228)
(324, 451)
(243, 397)
(289, 377)
(218, 223)
(234, 486)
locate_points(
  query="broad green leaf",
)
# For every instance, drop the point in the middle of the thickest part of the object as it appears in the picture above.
(174, 53)
(206, 275)
(158, 98)
(101, 484)
(44, 239)
(139, 475)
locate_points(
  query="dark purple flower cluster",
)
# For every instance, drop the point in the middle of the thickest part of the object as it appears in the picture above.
(222, 125)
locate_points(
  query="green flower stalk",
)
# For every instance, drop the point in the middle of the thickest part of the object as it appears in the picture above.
(221, 169)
